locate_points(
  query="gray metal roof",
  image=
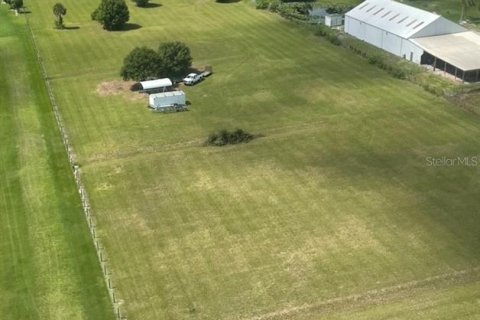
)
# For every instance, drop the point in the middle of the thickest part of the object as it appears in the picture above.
(461, 50)
(393, 17)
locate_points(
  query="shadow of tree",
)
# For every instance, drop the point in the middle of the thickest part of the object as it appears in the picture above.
(130, 26)
(152, 5)
(23, 10)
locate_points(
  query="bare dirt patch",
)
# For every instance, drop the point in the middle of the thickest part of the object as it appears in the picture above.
(116, 88)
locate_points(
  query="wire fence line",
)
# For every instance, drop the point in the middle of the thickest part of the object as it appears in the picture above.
(100, 250)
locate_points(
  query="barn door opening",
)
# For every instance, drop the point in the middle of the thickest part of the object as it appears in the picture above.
(427, 58)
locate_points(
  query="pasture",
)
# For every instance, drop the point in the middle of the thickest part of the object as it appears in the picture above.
(333, 213)
(48, 265)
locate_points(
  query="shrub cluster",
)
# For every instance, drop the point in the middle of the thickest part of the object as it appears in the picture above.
(398, 68)
(224, 137)
(338, 8)
(292, 10)
(262, 4)
(329, 34)
(298, 10)
(394, 70)
(437, 85)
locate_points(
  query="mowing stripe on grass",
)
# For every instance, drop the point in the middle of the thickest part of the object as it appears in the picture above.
(334, 200)
(48, 265)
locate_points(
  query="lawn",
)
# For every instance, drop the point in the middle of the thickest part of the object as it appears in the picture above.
(48, 265)
(334, 212)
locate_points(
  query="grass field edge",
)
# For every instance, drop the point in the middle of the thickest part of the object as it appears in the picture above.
(75, 169)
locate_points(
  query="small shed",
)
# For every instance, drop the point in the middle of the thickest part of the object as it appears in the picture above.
(166, 100)
(158, 85)
(334, 20)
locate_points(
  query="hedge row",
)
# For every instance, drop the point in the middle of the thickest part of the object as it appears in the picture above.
(292, 10)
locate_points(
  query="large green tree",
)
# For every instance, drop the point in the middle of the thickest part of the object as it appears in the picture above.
(112, 14)
(140, 64)
(173, 60)
(176, 58)
(59, 11)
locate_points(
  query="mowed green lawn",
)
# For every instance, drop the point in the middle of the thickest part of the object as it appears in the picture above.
(48, 267)
(337, 199)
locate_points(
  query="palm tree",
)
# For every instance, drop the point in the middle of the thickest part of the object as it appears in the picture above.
(59, 11)
(465, 4)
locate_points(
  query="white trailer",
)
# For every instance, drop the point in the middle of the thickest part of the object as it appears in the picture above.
(168, 101)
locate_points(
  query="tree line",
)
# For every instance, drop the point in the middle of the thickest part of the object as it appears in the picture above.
(111, 14)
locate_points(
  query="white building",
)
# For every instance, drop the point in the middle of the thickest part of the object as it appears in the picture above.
(166, 99)
(412, 33)
(334, 20)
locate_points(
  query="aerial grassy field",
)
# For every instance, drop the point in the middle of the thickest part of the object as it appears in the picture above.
(48, 267)
(334, 213)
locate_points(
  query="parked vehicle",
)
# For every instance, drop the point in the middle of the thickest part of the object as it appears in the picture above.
(192, 78)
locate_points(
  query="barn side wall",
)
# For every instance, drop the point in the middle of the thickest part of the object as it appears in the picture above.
(355, 28)
(411, 51)
(391, 43)
(382, 39)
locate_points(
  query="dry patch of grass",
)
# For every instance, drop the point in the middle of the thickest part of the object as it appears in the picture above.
(119, 88)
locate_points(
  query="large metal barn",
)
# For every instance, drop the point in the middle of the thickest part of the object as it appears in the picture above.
(417, 35)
